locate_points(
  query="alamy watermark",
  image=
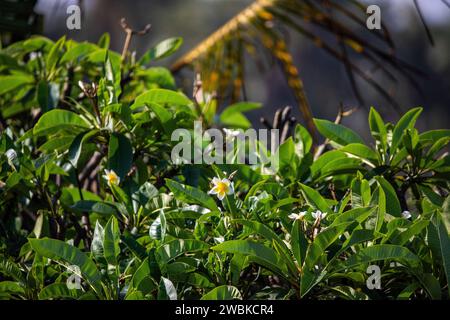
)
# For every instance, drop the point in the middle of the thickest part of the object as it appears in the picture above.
(73, 21)
(374, 280)
(73, 282)
(373, 22)
(215, 146)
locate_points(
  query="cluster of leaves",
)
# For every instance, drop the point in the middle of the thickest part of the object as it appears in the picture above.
(309, 230)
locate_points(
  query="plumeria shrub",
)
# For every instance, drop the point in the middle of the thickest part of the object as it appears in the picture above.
(93, 207)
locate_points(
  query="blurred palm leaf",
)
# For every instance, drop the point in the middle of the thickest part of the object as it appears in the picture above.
(259, 30)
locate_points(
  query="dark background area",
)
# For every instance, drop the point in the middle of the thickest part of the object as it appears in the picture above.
(324, 78)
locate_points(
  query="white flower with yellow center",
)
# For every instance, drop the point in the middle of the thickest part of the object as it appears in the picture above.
(221, 187)
(111, 177)
(295, 216)
(318, 215)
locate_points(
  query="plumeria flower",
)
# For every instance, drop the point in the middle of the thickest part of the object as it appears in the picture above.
(111, 177)
(295, 216)
(406, 214)
(221, 187)
(318, 215)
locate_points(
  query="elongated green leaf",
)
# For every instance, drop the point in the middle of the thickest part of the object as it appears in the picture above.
(258, 252)
(177, 247)
(354, 215)
(94, 206)
(337, 133)
(166, 290)
(8, 83)
(392, 202)
(97, 241)
(223, 293)
(111, 239)
(323, 240)
(161, 50)
(190, 194)
(270, 235)
(61, 251)
(120, 154)
(142, 279)
(11, 287)
(406, 122)
(299, 243)
(161, 97)
(315, 199)
(382, 252)
(56, 120)
(55, 55)
(377, 128)
(444, 245)
(58, 291)
(412, 230)
(362, 151)
(78, 52)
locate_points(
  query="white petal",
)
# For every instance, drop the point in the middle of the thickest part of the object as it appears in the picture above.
(293, 216)
(221, 195)
(215, 180)
(213, 191)
(226, 181)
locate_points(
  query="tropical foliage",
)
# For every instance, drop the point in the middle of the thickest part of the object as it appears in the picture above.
(88, 191)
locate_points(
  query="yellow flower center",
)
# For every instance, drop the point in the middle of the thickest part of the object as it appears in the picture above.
(112, 178)
(222, 187)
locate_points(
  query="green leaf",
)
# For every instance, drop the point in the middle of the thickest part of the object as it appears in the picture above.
(382, 252)
(444, 245)
(337, 133)
(406, 122)
(120, 154)
(142, 279)
(303, 140)
(431, 285)
(8, 83)
(258, 252)
(97, 241)
(61, 251)
(161, 97)
(270, 235)
(190, 194)
(223, 293)
(434, 135)
(354, 215)
(362, 151)
(392, 203)
(11, 287)
(413, 230)
(323, 240)
(55, 120)
(58, 291)
(94, 206)
(299, 242)
(111, 239)
(377, 128)
(54, 55)
(161, 50)
(315, 199)
(76, 147)
(78, 52)
(232, 115)
(177, 247)
(166, 290)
